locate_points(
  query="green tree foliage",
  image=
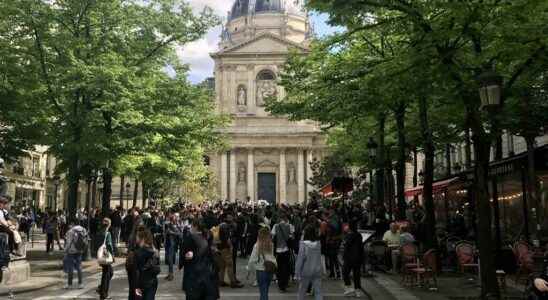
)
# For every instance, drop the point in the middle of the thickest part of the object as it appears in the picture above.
(428, 54)
(97, 69)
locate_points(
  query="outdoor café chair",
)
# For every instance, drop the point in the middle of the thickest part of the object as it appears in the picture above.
(466, 257)
(409, 260)
(428, 269)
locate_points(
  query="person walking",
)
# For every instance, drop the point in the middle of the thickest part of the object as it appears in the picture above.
(173, 232)
(116, 228)
(308, 267)
(352, 260)
(282, 233)
(77, 243)
(147, 261)
(132, 247)
(262, 254)
(200, 278)
(226, 230)
(107, 272)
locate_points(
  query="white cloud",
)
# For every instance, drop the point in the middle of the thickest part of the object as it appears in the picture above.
(196, 54)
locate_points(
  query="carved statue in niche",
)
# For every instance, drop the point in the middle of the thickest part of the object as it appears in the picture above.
(242, 172)
(291, 174)
(242, 96)
(265, 90)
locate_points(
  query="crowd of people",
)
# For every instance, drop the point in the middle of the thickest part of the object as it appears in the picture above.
(293, 246)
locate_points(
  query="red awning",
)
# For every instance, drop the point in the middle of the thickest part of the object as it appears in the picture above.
(438, 187)
(327, 190)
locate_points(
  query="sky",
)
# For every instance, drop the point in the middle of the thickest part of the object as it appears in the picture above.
(196, 54)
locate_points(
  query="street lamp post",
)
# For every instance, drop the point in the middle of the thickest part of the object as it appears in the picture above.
(372, 149)
(490, 91)
(56, 183)
(128, 187)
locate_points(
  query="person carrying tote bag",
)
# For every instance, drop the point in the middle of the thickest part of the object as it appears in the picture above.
(105, 260)
(263, 262)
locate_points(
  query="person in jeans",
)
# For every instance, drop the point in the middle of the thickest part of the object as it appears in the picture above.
(262, 251)
(173, 232)
(283, 232)
(352, 260)
(308, 268)
(73, 252)
(107, 271)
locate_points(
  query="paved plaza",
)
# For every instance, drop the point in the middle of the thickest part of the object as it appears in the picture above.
(172, 290)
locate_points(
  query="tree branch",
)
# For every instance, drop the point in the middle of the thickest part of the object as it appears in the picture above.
(45, 74)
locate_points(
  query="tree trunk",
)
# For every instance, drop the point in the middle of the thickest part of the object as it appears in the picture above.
(379, 175)
(489, 285)
(107, 189)
(145, 195)
(532, 187)
(122, 190)
(467, 149)
(94, 194)
(400, 167)
(448, 170)
(73, 178)
(88, 195)
(427, 193)
(135, 192)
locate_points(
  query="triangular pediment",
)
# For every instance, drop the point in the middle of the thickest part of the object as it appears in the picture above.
(263, 43)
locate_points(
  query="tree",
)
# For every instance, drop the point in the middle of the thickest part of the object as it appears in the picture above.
(95, 63)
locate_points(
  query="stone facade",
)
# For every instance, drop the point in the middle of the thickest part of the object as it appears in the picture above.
(269, 157)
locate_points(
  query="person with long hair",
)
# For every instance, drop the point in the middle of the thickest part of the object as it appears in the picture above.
(308, 268)
(107, 272)
(263, 251)
(147, 263)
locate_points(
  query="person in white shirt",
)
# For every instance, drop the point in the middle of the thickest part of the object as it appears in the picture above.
(262, 251)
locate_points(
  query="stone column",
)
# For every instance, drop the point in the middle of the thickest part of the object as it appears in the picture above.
(232, 181)
(250, 89)
(300, 176)
(283, 179)
(224, 177)
(250, 174)
(309, 175)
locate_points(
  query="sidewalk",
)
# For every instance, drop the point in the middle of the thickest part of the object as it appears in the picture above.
(47, 270)
(451, 285)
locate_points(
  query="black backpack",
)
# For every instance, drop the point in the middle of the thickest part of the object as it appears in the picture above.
(81, 242)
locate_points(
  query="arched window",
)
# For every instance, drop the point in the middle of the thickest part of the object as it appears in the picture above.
(266, 75)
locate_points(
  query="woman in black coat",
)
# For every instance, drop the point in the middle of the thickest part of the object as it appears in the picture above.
(147, 262)
(200, 278)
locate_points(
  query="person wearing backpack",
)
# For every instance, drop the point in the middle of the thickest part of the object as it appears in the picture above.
(147, 262)
(77, 243)
(283, 232)
(106, 267)
(308, 267)
(262, 260)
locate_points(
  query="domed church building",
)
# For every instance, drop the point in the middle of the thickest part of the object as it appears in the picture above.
(269, 157)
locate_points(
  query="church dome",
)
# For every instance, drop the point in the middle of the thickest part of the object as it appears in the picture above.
(242, 8)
